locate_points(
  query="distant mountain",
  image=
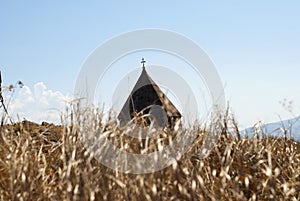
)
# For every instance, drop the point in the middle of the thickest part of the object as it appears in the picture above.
(291, 127)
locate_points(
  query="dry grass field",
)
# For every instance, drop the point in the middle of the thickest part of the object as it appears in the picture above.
(48, 162)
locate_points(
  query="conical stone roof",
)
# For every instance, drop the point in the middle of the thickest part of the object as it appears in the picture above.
(144, 95)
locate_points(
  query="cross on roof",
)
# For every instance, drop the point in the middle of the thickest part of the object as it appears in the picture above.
(144, 95)
(143, 62)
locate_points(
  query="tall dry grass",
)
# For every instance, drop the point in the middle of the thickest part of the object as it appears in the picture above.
(48, 162)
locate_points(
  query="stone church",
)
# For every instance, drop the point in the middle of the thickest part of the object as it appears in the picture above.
(147, 103)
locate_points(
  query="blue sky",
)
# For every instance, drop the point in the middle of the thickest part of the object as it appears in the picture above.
(255, 45)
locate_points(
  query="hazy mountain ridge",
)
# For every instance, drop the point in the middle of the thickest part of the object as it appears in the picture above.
(288, 128)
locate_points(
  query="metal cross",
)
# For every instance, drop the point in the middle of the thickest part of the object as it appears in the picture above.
(143, 62)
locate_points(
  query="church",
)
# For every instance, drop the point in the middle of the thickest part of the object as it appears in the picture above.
(147, 104)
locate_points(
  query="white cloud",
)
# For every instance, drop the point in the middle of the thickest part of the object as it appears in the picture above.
(38, 104)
